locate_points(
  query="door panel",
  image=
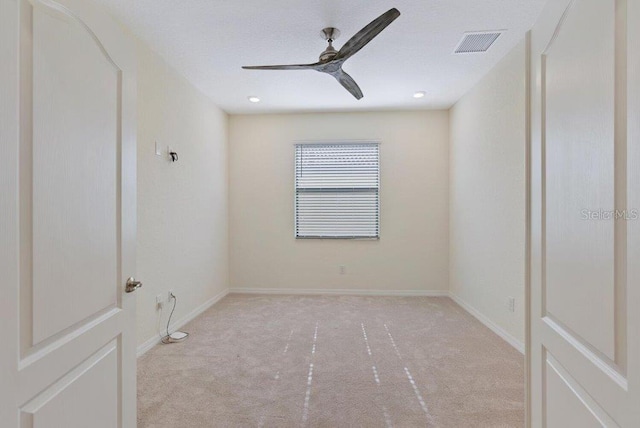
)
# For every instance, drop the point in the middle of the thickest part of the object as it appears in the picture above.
(85, 397)
(565, 406)
(69, 218)
(73, 243)
(579, 92)
(584, 357)
(567, 403)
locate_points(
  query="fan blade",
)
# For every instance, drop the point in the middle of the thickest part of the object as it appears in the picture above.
(348, 83)
(282, 67)
(367, 34)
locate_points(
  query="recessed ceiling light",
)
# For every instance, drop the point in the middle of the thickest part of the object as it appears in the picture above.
(420, 94)
(253, 99)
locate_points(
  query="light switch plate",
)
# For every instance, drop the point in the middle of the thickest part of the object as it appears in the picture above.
(158, 150)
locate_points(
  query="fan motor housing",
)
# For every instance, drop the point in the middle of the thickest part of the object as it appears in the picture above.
(328, 54)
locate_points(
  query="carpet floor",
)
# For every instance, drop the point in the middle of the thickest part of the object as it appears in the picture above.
(333, 361)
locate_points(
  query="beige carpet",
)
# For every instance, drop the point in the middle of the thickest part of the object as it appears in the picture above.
(331, 361)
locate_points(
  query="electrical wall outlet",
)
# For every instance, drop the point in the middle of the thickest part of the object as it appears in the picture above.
(158, 149)
(511, 304)
(342, 269)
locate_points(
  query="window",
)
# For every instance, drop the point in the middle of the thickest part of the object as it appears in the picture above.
(337, 190)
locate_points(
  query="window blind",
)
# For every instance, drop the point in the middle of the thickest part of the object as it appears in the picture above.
(337, 190)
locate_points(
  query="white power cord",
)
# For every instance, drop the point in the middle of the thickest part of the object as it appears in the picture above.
(176, 336)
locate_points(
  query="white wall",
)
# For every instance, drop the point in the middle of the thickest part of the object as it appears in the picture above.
(412, 253)
(182, 206)
(487, 199)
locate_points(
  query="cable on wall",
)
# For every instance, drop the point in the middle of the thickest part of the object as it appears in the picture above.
(176, 336)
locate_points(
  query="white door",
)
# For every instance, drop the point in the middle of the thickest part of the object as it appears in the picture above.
(67, 223)
(585, 165)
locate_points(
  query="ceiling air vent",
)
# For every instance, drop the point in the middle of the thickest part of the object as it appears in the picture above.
(477, 42)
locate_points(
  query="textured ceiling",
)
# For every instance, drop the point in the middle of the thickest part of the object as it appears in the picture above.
(209, 40)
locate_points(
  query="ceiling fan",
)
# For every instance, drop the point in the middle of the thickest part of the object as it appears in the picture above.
(331, 60)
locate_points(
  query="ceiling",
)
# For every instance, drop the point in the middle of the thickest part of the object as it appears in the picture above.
(209, 40)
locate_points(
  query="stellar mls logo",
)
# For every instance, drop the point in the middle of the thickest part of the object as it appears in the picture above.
(610, 214)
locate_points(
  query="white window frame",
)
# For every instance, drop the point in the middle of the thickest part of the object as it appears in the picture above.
(295, 188)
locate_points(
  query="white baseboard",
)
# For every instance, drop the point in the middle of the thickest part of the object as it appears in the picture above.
(511, 340)
(153, 341)
(518, 345)
(347, 292)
